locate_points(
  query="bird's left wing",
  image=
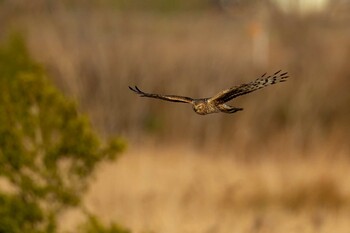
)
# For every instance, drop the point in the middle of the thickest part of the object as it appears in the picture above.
(243, 89)
(172, 98)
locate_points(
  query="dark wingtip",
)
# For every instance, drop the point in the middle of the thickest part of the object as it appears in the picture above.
(138, 89)
(284, 78)
(263, 75)
(277, 72)
(133, 89)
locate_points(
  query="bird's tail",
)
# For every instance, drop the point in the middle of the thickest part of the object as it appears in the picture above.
(228, 109)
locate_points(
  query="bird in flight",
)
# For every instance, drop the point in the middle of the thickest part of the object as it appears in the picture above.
(217, 103)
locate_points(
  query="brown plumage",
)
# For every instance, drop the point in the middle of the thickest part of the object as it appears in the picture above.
(216, 103)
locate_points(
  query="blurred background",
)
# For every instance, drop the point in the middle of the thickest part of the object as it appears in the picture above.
(281, 165)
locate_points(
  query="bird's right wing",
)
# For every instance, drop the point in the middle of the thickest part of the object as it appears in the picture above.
(172, 98)
(243, 89)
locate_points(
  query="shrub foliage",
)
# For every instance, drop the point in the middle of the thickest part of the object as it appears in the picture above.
(47, 149)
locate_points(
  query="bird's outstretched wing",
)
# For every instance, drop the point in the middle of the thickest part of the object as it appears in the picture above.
(172, 98)
(243, 89)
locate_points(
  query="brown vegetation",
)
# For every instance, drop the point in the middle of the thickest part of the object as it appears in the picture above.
(96, 55)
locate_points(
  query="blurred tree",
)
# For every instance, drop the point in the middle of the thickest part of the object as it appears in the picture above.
(93, 225)
(47, 149)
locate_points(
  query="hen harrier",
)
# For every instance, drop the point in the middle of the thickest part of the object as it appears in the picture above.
(216, 103)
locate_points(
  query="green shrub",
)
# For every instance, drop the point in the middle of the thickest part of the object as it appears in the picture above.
(93, 225)
(47, 149)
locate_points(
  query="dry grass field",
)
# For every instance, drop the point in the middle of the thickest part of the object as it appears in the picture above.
(281, 165)
(179, 190)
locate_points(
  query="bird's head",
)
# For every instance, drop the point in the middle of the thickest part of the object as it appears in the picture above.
(200, 108)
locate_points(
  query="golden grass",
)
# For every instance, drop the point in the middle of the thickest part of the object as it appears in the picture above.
(181, 190)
